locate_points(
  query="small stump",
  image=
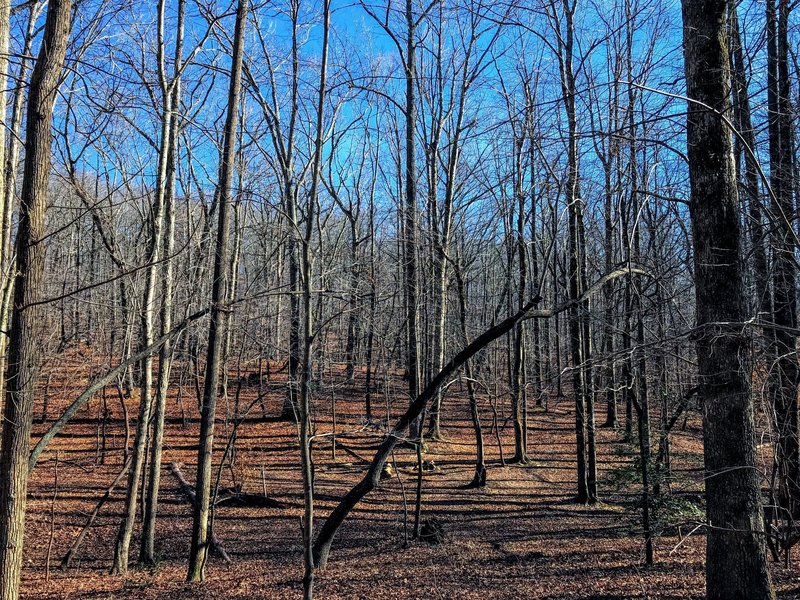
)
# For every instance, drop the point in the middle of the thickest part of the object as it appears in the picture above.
(432, 531)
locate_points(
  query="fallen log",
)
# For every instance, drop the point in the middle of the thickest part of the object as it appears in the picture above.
(240, 499)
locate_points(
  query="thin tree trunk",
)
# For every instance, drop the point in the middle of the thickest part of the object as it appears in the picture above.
(9, 189)
(5, 197)
(306, 456)
(148, 313)
(751, 186)
(784, 274)
(410, 215)
(147, 550)
(578, 324)
(219, 313)
(642, 400)
(479, 479)
(518, 396)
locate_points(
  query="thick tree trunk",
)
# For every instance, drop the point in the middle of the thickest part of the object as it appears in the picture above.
(27, 320)
(736, 566)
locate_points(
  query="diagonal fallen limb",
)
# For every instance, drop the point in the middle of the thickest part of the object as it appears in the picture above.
(188, 491)
(65, 562)
(371, 479)
(102, 381)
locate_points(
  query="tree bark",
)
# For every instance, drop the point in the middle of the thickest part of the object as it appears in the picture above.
(576, 275)
(784, 380)
(750, 177)
(27, 320)
(219, 312)
(147, 550)
(736, 566)
(148, 315)
(410, 215)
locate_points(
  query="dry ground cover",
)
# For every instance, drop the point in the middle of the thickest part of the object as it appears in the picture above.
(521, 537)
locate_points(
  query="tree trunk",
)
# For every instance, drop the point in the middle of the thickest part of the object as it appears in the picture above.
(147, 550)
(148, 315)
(750, 179)
(9, 178)
(479, 479)
(576, 272)
(518, 396)
(5, 27)
(410, 223)
(736, 566)
(784, 274)
(27, 320)
(219, 316)
(305, 424)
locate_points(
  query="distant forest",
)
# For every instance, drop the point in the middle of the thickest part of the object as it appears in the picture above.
(288, 286)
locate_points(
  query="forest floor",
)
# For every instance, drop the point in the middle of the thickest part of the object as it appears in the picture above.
(521, 537)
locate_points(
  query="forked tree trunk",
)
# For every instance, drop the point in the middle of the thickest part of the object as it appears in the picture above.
(736, 565)
(147, 550)
(148, 315)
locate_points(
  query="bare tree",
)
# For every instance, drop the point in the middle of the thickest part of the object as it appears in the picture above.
(23, 366)
(219, 311)
(736, 564)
